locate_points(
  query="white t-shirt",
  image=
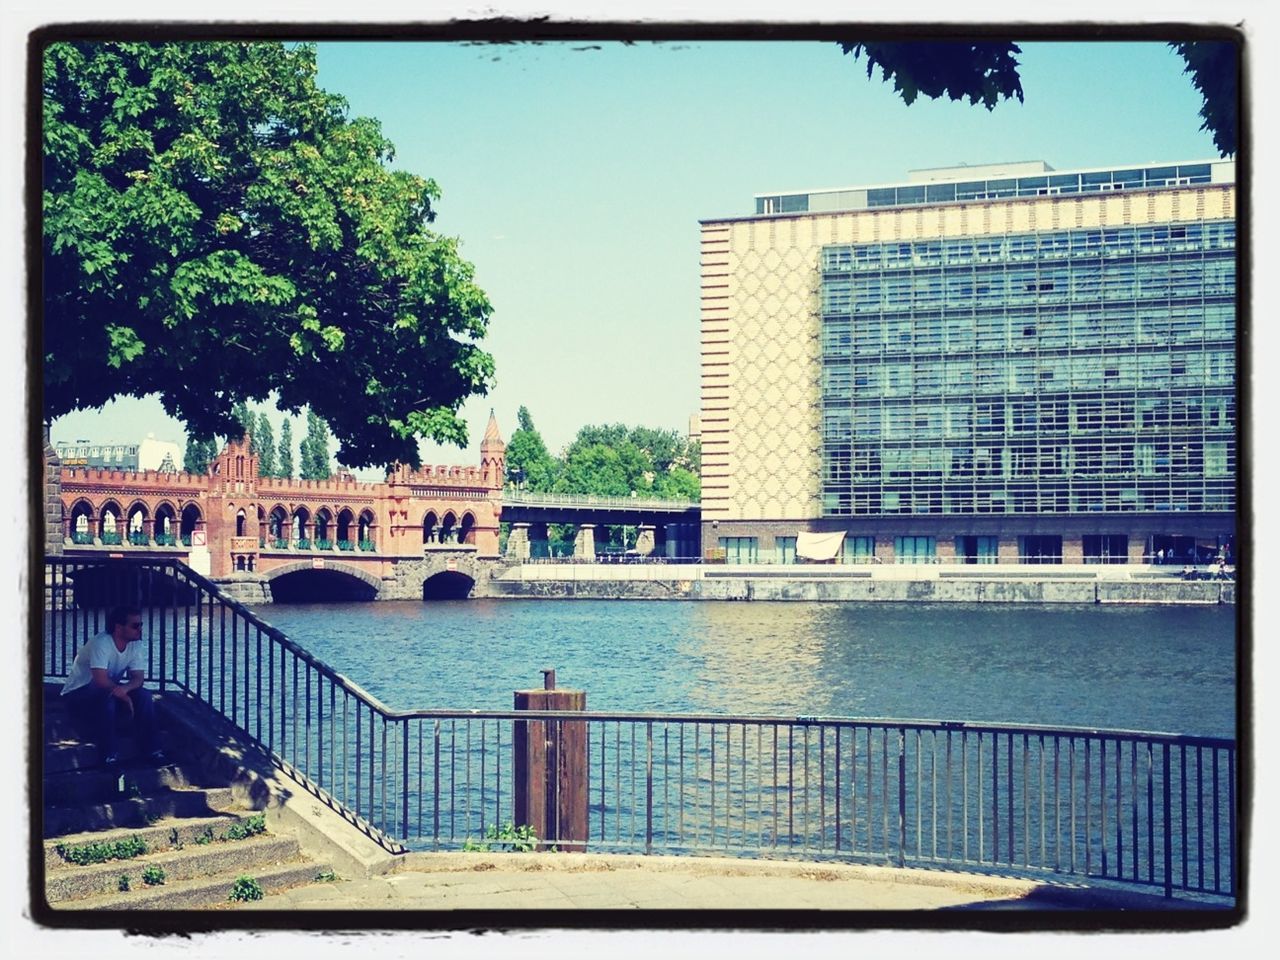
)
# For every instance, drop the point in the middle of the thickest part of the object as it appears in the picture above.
(101, 652)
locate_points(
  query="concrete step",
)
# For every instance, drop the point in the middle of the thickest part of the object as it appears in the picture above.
(103, 784)
(72, 882)
(165, 834)
(199, 893)
(140, 811)
(63, 754)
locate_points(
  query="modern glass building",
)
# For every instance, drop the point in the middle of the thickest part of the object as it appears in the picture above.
(1003, 362)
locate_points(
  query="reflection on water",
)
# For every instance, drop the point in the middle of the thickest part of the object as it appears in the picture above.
(1147, 668)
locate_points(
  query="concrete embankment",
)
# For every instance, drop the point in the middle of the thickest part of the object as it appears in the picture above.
(892, 584)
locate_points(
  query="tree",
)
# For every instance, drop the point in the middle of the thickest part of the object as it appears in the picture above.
(246, 423)
(241, 234)
(314, 464)
(527, 455)
(266, 442)
(988, 72)
(285, 466)
(199, 453)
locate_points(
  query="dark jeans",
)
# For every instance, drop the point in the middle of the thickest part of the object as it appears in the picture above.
(96, 712)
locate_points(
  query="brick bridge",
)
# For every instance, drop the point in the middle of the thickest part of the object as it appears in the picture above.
(418, 534)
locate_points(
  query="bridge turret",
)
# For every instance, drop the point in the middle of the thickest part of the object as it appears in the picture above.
(493, 454)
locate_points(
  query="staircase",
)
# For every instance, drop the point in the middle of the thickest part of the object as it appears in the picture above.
(193, 837)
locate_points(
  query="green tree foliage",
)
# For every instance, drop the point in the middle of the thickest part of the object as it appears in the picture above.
(527, 455)
(614, 460)
(216, 227)
(314, 462)
(265, 439)
(1215, 72)
(246, 423)
(284, 463)
(987, 73)
(979, 72)
(199, 454)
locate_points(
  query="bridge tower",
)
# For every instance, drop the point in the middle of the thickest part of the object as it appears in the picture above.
(493, 454)
(232, 521)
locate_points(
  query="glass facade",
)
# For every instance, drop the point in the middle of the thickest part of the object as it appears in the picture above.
(1072, 371)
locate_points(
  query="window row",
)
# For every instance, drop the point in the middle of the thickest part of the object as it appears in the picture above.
(1005, 248)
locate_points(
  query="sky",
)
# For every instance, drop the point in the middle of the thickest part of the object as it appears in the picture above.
(575, 176)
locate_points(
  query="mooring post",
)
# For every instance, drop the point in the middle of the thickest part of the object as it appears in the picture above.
(551, 767)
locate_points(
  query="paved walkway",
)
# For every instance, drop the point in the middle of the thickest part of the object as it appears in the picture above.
(459, 881)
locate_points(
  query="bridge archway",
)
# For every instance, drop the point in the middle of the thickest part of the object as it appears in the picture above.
(81, 520)
(166, 523)
(334, 583)
(110, 521)
(429, 523)
(465, 534)
(345, 518)
(191, 518)
(447, 585)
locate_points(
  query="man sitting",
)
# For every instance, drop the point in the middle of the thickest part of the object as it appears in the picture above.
(106, 678)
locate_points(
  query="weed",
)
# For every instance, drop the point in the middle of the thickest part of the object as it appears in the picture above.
(153, 876)
(246, 888)
(326, 876)
(506, 838)
(249, 827)
(206, 837)
(174, 840)
(123, 883)
(86, 853)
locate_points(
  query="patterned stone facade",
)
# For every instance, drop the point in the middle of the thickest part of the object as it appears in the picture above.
(761, 332)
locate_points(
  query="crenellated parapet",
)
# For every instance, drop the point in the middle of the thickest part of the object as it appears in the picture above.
(288, 488)
(144, 480)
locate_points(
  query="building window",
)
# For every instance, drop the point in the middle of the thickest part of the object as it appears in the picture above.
(1040, 549)
(915, 549)
(740, 549)
(858, 550)
(785, 548)
(1106, 548)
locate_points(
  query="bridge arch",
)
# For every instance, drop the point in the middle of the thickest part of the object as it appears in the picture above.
(366, 526)
(81, 519)
(429, 523)
(192, 517)
(447, 585)
(110, 518)
(324, 524)
(342, 528)
(303, 582)
(466, 528)
(446, 526)
(166, 521)
(137, 520)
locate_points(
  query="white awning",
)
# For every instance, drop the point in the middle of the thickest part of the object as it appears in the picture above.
(818, 546)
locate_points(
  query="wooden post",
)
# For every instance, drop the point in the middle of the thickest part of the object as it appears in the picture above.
(551, 768)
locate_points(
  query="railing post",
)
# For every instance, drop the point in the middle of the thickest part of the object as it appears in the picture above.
(550, 767)
(1168, 826)
(902, 796)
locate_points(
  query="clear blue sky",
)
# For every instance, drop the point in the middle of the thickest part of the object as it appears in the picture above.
(576, 178)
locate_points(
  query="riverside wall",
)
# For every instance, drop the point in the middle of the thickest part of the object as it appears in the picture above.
(894, 584)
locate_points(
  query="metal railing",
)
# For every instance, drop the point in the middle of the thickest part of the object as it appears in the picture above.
(1148, 809)
(524, 498)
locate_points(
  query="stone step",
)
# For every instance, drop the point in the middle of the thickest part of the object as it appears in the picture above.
(166, 833)
(103, 784)
(138, 811)
(71, 882)
(63, 754)
(201, 893)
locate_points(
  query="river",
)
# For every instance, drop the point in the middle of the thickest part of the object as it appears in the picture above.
(1152, 668)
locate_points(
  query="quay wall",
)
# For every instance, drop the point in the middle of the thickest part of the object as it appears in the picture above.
(892, 585)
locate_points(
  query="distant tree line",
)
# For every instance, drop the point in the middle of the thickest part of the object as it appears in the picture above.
(274, 459)
(611, 460)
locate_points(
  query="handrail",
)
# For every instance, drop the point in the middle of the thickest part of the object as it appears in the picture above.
(1027, 798)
